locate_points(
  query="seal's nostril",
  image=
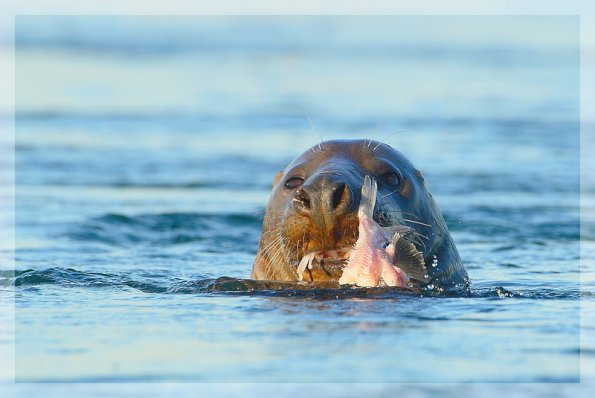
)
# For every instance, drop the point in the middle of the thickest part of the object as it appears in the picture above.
(338, 195)
(302, 199)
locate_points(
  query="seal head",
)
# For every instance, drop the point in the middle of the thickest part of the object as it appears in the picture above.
(313, 211)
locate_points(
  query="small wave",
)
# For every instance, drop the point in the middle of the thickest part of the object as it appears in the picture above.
(223, 232)
(186, 185)
(151, 185)
(538, 294)
(68, 277)
(176, 220)
(542, 223)
(158, 283)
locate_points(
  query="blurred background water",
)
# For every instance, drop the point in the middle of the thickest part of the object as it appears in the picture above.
(146, 148)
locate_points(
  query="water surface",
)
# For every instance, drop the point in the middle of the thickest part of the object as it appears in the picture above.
(144, 161)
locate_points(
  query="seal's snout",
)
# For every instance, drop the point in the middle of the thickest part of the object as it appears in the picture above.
(323, 199)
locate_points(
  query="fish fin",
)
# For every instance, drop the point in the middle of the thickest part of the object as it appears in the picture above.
(368, 197)
(409, 259)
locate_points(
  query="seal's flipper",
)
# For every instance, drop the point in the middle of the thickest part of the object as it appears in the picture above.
(368, 199)
(409, 259)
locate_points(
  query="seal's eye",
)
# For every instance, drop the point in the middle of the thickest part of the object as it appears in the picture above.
(392, 179)
(294, 182)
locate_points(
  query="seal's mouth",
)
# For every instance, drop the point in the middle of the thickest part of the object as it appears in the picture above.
(379, 257)
(324, 265)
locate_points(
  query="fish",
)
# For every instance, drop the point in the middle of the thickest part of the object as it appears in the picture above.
(379, 259)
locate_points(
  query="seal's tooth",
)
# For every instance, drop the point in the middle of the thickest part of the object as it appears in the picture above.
(306, 262)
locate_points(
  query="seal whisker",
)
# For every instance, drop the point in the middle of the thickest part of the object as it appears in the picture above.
(417, 222)
(269, 246)
(415, 237)
(273, 220)
(369, 139)
(378, 127)
(411, 214)
(275, 241)
(278, 253)
(269, 264)
(415, 233)
(287, 260)
(295, 249)
(420, 242)
(259, 212)
(272, 263)
(303, 249)
(388, 194)
(315, 131)
(386, 138)
(389, 210)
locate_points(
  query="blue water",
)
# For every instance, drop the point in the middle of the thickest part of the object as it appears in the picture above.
(146, 149)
